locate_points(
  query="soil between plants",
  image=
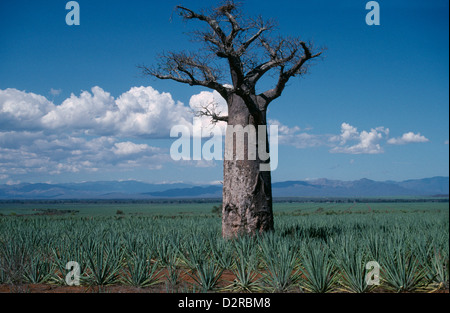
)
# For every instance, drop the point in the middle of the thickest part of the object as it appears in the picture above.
(185, 285)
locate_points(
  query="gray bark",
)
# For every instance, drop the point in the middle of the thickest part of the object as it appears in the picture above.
(247, 191)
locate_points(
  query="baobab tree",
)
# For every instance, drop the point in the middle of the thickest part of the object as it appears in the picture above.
(235, 53)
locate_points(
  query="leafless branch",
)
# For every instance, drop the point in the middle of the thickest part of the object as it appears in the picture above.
(189, 69)
(188, 14)
(297, 68)
(249, 49)
(210, 111)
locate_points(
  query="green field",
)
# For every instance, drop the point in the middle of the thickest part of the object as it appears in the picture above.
(176, 246)
(204, 207)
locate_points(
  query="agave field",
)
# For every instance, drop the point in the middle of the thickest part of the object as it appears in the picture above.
(315, 251)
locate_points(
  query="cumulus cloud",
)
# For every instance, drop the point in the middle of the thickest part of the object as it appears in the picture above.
(364, 142)
(283, 129)
(130, 148)
(85, 133)
(20, 110)
(215, 104)
(139, 112)
(56, 154)
(348, 132)
(294, 136)
(408, 138)
(94, 131)
(83, 112)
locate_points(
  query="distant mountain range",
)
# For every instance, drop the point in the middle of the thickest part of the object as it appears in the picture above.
(311, 188)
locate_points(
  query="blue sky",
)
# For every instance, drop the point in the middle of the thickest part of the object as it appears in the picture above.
(74, 107)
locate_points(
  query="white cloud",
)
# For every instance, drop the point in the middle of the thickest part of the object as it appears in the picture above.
(81, 112)
(130, 148)
(14, 139)
(349, 141)
(293, 136)
(408, 138)
(366, 142)
(82, 133)
(214, 103)
(145, 111)
(283, 129)
(20, 110)
(94, 131)
(57, 154)
(348, 132)
(139, 112)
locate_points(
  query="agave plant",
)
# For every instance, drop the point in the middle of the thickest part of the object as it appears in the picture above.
(167, 255)
(139, 270)
(104, 265)
(206, 275)
(246, 265)
(402, 269)
(440, 269)
(15, 261)
(3, 276)
(246, 274)
(40, 270)
(280, 267)
(193, 253)
(318, 269)
(223, 253)
(64, 253)
(351, 260)
(167, 252)
(172, 276)
(374, 244)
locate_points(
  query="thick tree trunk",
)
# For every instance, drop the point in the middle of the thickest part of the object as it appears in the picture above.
(247, 191)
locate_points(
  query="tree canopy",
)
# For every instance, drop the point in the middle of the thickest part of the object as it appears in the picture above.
(237, 51)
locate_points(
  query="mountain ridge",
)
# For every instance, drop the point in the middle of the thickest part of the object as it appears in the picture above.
(322, 187)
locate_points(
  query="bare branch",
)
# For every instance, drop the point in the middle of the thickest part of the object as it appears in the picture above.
(189, 14)
(277, 56)
(188, 69)
(246, 44)
(210, 111)
(235, 28)
(249, 53)
(285, 75)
